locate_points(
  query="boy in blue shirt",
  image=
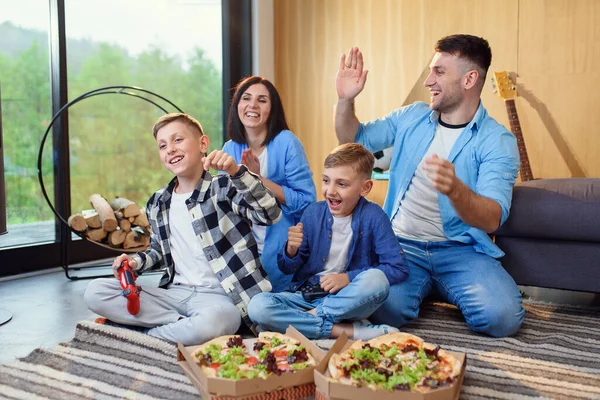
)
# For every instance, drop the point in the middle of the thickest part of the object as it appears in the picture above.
(343, 256)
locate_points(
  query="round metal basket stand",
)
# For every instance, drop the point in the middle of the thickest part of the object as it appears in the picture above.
(133, 91)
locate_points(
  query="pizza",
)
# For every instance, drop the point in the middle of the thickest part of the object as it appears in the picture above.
(273, 353)
(396, 361)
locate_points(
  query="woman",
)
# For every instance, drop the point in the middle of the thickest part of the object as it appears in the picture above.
(261, 140)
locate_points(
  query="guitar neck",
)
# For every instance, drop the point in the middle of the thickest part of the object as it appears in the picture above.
(515, 127)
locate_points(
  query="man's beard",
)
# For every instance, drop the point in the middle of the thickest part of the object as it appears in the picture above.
(449, 103)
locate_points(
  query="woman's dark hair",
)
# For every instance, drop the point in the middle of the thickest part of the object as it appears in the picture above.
(276, 122)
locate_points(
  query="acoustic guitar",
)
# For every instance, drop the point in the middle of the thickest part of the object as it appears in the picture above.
(507, 91)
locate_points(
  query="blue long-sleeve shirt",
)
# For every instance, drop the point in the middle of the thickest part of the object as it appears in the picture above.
(289, 168)
(485, 157)
(373, 245)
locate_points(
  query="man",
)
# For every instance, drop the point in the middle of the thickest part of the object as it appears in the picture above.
(451, 178)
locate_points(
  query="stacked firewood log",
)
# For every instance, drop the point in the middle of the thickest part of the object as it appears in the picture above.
(120, 223)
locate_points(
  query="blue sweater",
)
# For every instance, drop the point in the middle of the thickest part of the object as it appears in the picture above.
(374, 245)
(287, 167)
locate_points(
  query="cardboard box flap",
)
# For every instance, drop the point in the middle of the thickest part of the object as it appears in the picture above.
(189, 359)
(337, 347)
(190, 374)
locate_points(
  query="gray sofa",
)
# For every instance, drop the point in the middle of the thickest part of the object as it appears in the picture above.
(552, 236)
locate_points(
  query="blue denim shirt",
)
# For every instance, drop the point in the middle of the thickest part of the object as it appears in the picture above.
(288, 167)
(485, 157)
(373, 245)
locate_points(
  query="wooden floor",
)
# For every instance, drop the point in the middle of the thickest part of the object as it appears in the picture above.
(47, 307)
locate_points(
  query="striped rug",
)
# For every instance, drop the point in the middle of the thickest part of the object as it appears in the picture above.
(555, 355)
(101, 362)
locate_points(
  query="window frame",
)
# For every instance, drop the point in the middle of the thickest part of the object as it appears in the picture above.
(237, 63)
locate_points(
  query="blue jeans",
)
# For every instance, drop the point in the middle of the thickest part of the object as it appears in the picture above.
(476, 283)
(358, 300)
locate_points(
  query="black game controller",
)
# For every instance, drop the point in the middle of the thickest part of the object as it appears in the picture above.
(311, 291)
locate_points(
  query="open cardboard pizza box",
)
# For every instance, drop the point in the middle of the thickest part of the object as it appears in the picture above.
(287, 386)
(328, 390)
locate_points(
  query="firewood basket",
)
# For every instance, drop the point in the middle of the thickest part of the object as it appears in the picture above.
(133, 91)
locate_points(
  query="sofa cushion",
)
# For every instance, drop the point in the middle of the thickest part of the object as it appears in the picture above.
(564, 209)
(564, 264)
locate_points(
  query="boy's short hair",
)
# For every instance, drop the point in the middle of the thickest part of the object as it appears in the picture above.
(185, 118)
(353, 154)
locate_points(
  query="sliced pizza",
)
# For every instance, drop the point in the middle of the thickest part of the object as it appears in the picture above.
(397, 361)
(272, 353)
(285, 350)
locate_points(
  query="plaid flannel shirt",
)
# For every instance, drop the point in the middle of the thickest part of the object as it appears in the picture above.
(221, 209)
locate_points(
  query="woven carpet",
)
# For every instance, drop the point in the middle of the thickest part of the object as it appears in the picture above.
(555, 355)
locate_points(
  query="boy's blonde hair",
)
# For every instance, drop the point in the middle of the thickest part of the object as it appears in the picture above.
(185, 118)
(354, 155)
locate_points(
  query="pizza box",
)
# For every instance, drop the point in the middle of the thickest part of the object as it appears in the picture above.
(294, 386)
(328, 390)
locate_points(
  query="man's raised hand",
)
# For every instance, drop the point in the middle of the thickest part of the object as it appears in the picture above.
(351, 77)
(294, 239)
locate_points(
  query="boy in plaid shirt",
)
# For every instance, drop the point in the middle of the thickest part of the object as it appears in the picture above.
(202, 238)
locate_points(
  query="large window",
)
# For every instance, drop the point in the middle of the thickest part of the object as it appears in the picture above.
(52, 51)
(172, 48)
(26, 110)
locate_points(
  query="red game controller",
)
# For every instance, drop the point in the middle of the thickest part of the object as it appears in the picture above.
(131, 291)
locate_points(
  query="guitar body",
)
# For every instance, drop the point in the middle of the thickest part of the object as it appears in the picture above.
(507, 91)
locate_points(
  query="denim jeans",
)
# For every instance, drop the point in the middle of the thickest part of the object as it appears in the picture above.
(476, 283)
(358, 300)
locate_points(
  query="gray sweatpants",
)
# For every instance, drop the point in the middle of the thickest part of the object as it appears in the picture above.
(188, 314)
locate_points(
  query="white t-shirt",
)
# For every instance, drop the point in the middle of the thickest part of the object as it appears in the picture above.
(260, 231)
(418, 216)
(191, 265)
(340, 244)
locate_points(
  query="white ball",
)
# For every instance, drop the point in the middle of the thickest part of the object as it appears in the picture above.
(383, 159)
